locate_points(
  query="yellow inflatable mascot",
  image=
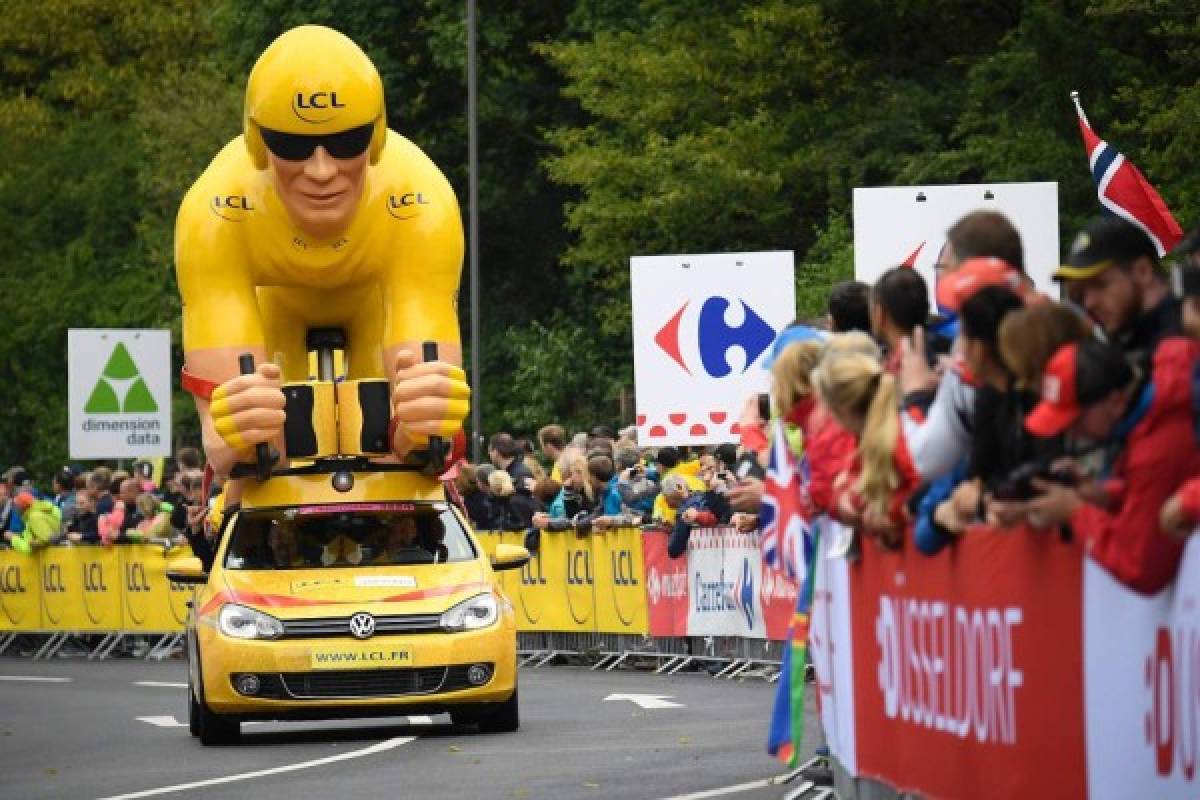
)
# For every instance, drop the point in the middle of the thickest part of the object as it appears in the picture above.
(319, 218)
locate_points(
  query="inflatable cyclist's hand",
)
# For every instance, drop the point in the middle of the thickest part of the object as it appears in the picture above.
(429, 398)
(248, 410)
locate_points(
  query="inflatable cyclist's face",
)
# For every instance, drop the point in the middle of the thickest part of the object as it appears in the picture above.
(321, 185)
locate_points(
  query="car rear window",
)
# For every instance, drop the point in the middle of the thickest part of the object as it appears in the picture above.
(348, 535)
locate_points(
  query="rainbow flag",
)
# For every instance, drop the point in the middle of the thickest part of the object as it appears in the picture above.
(787, 718)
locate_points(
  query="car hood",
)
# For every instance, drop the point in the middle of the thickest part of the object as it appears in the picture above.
(293, 594)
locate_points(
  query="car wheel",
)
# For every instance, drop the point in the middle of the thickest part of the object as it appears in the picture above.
(502, 717)
(211, 727)
(193, 711)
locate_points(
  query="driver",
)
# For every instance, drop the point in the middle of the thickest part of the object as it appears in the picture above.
(318, 216)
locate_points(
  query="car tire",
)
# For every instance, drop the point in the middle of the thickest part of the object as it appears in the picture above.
(502, 717)
(193, 712)
(212, 728)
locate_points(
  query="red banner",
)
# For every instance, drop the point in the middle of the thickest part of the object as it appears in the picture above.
(968, 667)
(666, 587)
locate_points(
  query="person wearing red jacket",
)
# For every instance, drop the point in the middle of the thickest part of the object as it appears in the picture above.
(1089, 391)
(872, 493)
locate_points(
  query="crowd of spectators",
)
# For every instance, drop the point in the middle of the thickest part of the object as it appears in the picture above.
(997, 405)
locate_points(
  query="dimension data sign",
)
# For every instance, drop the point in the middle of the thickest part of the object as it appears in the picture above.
(119, 393)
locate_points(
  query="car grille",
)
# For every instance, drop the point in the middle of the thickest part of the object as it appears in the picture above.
(355, 683)
(340, 626)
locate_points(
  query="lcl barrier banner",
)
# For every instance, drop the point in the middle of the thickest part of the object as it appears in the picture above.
(91, 589)
(721, 588)
(1010, 666)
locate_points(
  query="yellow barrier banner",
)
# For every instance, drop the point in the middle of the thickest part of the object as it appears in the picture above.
(620, 582)
(62, 588)
(151, 602)
(100, 573)
(20, 592)
(580, 585)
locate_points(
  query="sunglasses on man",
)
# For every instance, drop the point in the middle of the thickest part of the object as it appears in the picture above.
(300, 147)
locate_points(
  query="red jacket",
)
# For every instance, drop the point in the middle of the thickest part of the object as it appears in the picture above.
(897, 508)
(829, 449)
(1159, 455)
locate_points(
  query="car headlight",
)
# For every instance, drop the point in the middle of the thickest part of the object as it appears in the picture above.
(471, 614)
(241, 622)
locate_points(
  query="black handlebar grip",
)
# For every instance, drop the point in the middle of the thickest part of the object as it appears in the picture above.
(437, 447)
(261, 450)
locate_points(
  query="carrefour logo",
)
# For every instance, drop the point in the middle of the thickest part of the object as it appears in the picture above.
(710, 336)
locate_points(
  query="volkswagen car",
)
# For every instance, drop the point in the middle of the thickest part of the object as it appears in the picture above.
(330, 598)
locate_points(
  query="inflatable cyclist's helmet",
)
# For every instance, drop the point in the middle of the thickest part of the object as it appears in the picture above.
(313, 81)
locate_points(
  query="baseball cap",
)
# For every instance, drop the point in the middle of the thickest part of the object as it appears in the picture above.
(954, 288)
(1104, 242)
(1077, 375)
(24, 500)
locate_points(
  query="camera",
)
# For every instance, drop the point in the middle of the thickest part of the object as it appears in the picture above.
(748, 467)
(1018, 484)
(764, 406)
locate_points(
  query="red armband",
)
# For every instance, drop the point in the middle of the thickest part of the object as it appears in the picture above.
(200, 387)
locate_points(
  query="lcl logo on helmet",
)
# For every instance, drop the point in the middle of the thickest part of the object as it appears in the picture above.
(311, 107)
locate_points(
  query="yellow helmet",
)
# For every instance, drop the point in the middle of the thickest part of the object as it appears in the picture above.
(312, 81)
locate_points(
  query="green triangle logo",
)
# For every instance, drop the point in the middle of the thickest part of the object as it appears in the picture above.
(120, 367)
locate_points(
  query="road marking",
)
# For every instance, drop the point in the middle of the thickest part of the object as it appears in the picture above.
(379, 747)
(161, 684)
(33, 679)
(420, 720)
(647, 700)
(162, 722)
(741, 787)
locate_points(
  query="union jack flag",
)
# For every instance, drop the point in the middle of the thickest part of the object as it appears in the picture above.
(1123, 191)
(785, 529)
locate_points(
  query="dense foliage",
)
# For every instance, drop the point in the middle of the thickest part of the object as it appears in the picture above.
(607, 129)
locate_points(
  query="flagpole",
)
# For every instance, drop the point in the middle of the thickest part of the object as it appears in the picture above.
(1079, 108)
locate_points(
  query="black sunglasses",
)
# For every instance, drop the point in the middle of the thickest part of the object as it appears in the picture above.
(298, 147)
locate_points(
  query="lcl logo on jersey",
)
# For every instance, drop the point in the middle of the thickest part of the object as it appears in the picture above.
(407, 205)
(232, 207)
(701, 342)
(316, 107)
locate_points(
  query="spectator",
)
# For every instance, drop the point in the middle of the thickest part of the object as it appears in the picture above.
(1113, 273)
(10, 518)
(692, 510)
(155, 520)
(64, 493)
(83, 528)
(189, 459)
(981, 234)
(899, 305)
(1181, 514)
(576, 497)
(505, 455)
(191, 518)
(603, 478)
(552, 439)
(98, 484)
(1029, 337)
(475, 500)
(873, 493)
(42, 521)
(603, 432)
(667, 463)
(636, 485)
(1090, 392)
(849, 307)
(127, 495)
(510, 510)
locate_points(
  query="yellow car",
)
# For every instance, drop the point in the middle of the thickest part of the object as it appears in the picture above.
(329, 598)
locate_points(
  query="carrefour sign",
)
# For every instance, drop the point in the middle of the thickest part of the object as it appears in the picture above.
(119, 393)
(702, 327)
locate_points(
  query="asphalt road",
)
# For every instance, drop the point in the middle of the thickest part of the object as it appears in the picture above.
(118, 728)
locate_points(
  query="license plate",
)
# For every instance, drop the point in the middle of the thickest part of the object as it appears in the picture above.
(365, 657)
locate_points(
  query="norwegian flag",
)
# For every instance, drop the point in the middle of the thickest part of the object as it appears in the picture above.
(1123, 191)
(785, 529)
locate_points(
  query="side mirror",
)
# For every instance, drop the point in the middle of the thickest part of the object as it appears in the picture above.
(187, 571)
(509, 556)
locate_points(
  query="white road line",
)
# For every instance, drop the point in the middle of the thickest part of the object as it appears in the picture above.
(379, 747)
(161, 684)
(420, 720)
(741, 787)
(162, 722)
(33, 679)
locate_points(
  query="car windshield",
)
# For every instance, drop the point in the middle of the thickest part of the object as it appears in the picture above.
(349, 535)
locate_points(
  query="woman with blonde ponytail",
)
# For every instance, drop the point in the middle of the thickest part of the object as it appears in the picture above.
(873, 491)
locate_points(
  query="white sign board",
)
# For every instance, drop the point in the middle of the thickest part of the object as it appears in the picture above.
(119, 393)
(702, 325)
(908, 224)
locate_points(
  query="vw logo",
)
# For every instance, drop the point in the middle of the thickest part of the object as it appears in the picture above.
(362, 625)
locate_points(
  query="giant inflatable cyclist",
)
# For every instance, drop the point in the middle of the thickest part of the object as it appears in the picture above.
(319, 217)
